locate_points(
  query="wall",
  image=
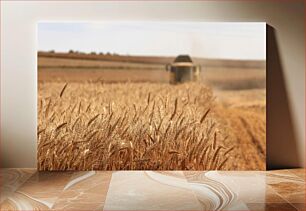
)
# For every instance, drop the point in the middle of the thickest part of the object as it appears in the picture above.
(18, 63)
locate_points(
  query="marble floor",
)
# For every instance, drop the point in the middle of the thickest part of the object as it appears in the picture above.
(27, 189)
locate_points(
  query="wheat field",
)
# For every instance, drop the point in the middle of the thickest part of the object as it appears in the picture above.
(135, 126)
(84, 126)
(94, 115)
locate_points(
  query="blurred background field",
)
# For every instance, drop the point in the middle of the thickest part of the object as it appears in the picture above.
(222, 74)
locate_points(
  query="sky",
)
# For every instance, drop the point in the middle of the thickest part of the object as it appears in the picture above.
(219, 40)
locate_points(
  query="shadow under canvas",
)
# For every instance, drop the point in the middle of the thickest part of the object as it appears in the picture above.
(281, 140)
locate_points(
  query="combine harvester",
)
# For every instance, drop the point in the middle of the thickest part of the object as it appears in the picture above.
(183, 70)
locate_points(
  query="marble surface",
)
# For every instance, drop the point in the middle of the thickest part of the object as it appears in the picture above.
(27, 189)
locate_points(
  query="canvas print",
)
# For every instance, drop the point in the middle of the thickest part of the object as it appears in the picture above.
(151, 96)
